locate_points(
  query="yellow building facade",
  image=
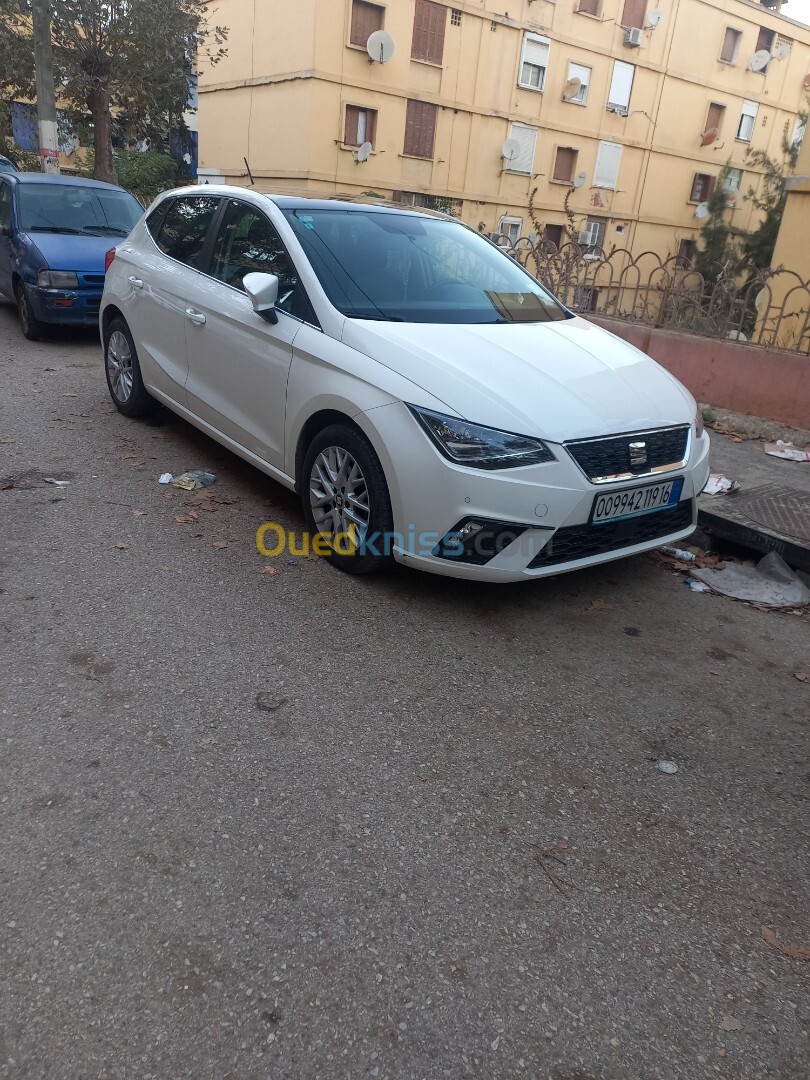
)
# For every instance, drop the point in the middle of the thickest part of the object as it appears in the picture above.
(613, 118)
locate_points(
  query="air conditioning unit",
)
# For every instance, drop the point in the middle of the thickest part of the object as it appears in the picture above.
(633, 36)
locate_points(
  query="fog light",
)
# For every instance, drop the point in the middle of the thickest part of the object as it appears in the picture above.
(477, 542)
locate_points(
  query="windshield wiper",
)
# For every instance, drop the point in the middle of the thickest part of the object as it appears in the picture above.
(53, 228)
(371, 317)
(106, 230)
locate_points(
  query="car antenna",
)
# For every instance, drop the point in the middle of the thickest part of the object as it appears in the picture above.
(250, 174)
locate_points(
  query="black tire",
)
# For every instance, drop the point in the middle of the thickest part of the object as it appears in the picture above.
(348, 439)
(30, 325)
(124, 380)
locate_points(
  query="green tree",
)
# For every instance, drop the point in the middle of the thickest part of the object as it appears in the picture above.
(719, 254)
(118, 58)
(769, 198)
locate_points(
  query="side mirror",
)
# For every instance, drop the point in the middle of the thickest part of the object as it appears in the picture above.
(262, 289)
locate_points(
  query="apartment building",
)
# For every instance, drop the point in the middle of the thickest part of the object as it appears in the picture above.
(614, 117)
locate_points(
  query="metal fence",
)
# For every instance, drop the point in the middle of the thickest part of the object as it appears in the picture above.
(759, 307)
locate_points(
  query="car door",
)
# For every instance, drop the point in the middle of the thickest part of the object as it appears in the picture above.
(161, 271)
(239, 362)
(5, 238)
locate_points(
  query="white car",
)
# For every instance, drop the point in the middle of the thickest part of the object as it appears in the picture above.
(430, 401)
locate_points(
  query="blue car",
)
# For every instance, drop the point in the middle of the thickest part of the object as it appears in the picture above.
(55, 232)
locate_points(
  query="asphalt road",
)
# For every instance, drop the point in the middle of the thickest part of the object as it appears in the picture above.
(448, 853)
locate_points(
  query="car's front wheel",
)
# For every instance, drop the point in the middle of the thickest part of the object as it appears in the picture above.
(123, 372)
(345, 499)
(30, 325)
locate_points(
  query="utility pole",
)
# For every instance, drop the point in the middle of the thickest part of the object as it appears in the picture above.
(46, 99)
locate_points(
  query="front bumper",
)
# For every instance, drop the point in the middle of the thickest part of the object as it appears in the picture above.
(78, 307)
(430, 496)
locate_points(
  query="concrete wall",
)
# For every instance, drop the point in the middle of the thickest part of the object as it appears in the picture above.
(748, 379)
(294, 71)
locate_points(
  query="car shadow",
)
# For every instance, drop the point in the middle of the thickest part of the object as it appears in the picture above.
(55, 333)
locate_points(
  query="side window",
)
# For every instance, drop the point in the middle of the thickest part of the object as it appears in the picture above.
(5, 205)
(185, 228)
(155, 220)
(248, 243)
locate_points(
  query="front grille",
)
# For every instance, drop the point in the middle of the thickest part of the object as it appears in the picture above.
(584, 541)
(611, 457)
(93, 279)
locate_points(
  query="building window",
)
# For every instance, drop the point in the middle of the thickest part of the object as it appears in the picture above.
(702, 187)
(621, 87)
(765, 44)
(730, 51)
(686, 254)
(732, 181)
(511, 227)
(589, 7)
(714, 120)
(533, 62)
(361, 125)
(523, 160)
(748, 117)
(420, 129)
(607, 165)
(553, 234)
(455, 17)
(428, 32)
(583, 74)
(453, 207)
(565, 162)
(635, 13)
(366, 18)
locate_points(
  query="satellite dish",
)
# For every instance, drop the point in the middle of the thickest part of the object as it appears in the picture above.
(655, 17)
(702, 210)
(782, 51)
(571, 89)
(580, 180)
(380, 47)
(363, 153)
(708, 136)
(759, 61)
(510, 149)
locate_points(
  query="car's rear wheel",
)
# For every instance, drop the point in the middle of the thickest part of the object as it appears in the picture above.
(345, 499)
(30, 325)
(123, 372)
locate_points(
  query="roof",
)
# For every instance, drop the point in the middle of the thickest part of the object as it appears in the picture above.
(69, 181)
(301, 202)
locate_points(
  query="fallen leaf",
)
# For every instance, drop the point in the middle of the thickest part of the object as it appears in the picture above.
(644, 944)
(795, 952)
(139, 513)
(187, 519)
(121, 546)
(51, 369)
(714, 672)
(721, 1052)
(600, 605)
(256, 777)
(138, 464)
(70, 395)
(558, 848)
(802, 676)
(6, 440)
(269, 570)
(220, 545)
(730, 1023)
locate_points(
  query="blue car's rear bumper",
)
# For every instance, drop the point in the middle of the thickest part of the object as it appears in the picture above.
(78, 307)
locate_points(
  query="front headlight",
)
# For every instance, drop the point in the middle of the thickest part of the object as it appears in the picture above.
(57, 279)
(699, 425)
(480, 447)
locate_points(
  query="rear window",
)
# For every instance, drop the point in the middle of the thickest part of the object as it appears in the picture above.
(155, 219)
(185, 228)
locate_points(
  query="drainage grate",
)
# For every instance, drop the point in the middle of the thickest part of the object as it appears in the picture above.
(780, 509)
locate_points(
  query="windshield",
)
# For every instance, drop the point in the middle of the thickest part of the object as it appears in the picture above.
(69, 208)
(400, 267)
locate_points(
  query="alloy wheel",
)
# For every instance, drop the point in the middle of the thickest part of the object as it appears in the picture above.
(338, 494)
(119, 365)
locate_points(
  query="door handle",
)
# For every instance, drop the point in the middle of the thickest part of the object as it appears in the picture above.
(135, 282)
(195, 316)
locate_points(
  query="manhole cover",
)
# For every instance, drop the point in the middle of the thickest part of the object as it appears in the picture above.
(782, 510)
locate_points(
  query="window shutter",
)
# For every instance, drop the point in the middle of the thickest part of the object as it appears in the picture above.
(765, 39)
(730, 45)
(564, 163)
(635, 13)
(621, 84)
(428, 31)
(607, 165)
(715, 116)
(589, 7)
(366, 18)
(352, 118)
(420, 129)
(523, 161)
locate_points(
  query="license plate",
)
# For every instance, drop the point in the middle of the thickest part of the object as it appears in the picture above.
(633, 502)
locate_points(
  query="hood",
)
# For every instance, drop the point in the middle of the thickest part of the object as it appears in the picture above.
(64, 251)
(559, 381)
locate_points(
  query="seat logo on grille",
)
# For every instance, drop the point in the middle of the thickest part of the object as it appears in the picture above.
(638, 453)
